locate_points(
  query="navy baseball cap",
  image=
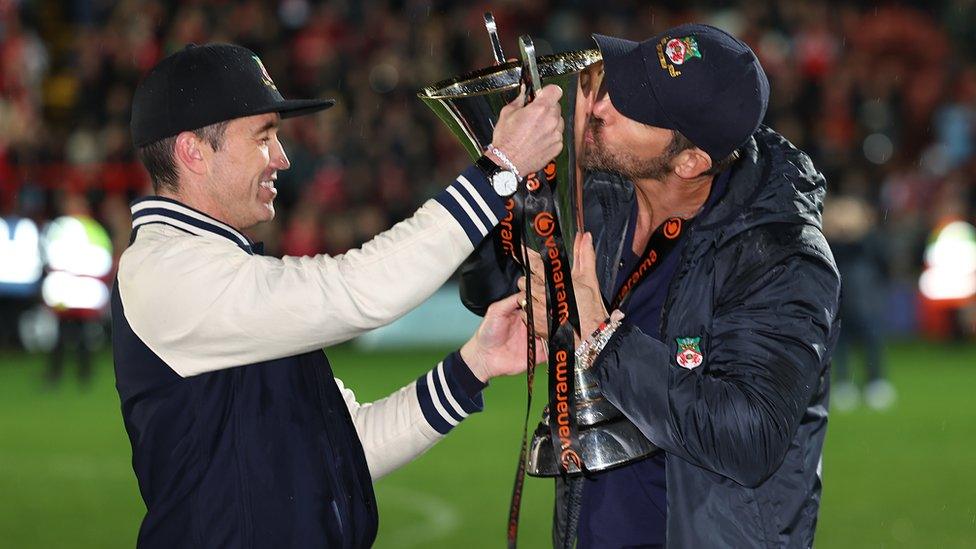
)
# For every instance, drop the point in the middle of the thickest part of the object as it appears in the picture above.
(696, 79)
(202, 85)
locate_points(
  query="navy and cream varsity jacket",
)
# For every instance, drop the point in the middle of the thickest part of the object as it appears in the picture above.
(240, 434)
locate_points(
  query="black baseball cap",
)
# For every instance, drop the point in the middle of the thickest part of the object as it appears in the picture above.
(693, 78)
(202, 85)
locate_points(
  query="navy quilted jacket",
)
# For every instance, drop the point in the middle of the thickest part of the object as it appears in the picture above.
(757, 283)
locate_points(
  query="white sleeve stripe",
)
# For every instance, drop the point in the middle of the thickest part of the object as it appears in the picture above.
(435, 399)
(447, 392)
(192, 229)
(477, 198)
(467, 209)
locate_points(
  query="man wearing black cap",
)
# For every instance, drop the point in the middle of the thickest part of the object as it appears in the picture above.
(240, 434)
(705, 233)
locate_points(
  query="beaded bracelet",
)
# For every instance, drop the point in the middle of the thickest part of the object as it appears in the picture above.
(592, 346)
(501, 156)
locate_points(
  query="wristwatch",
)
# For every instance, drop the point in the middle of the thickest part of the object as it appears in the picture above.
(503, 181)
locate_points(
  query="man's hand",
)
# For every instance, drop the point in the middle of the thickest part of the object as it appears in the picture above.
(592, 311)
(499, 346)
(531, 135)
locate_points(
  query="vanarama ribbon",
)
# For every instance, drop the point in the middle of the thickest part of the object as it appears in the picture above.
(658, 246)
(534, 212)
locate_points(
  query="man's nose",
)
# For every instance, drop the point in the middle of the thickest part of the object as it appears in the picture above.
(279, 160)
(602, 107)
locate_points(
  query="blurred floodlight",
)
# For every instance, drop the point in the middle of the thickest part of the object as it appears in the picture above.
(878, 148)
(941, 285)
(950, 260)
(74, 246)
(62, 290)
(20, 253)
(294, 14)
(935, 160)
(954, 247)
(38, 329)
(383, 78)
(79, 256)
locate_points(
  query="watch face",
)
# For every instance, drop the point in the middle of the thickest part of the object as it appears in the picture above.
(504, 182)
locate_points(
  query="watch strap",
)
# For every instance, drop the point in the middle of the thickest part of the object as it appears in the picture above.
(487, 166)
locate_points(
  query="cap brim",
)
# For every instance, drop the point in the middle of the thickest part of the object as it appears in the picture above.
(297, 107)
(626, 76)
(612, 47)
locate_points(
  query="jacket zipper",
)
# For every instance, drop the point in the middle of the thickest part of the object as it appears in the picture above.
(339, 490)
(248, 526)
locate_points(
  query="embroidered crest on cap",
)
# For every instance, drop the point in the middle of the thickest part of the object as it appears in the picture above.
(265, 77)
(675, 51)
(689, 353)
(682, 49)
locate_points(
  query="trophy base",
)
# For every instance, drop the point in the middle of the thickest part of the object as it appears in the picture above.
(604, 446)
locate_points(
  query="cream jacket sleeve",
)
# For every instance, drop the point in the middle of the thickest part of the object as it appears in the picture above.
(202, 303)
(400, 427)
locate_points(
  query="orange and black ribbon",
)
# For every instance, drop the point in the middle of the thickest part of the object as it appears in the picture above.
(534, 211)
(658, 246)
(510, 243)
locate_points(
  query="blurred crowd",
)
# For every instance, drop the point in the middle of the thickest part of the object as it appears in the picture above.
(882, 95)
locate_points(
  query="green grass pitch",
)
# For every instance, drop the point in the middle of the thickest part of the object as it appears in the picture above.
(903, 478)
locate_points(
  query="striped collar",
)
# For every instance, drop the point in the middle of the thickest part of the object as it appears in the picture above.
(157, 209)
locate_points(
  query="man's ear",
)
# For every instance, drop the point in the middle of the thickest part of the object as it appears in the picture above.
(189, 153)
(692, 163)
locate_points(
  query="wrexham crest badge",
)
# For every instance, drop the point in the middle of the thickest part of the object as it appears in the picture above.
(673, 52)
(689, 353)
(680, 50)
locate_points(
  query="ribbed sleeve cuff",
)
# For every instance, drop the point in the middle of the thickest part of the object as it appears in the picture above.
(473, 203)
(449, 393)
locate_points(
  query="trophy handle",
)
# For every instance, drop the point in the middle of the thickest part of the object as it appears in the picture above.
(530, 69)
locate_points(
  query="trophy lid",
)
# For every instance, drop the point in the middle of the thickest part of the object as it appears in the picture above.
(507, 76)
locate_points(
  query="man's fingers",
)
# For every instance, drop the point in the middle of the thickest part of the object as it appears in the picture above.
(585, 263)
(536, 285)
(541, 350)
(576, 251)
(549, 93)
(519, 101)
(507, 305)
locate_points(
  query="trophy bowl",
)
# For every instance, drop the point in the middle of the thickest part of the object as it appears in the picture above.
(469, 105)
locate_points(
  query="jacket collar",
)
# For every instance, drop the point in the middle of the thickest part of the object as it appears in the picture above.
(773, 183)
(158, 209)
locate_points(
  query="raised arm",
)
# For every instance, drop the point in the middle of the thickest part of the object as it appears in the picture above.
(203, 306)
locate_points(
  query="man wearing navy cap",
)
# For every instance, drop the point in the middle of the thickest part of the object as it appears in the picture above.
(241, 436)
(705, 233)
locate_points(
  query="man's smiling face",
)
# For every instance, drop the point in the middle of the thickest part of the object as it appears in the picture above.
(243, 171)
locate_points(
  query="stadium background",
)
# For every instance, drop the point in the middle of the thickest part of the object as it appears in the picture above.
(881, 94)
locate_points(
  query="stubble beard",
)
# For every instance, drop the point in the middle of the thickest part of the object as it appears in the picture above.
(596, 156)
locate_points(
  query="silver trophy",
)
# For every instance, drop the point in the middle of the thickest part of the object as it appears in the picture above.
(469, 105)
